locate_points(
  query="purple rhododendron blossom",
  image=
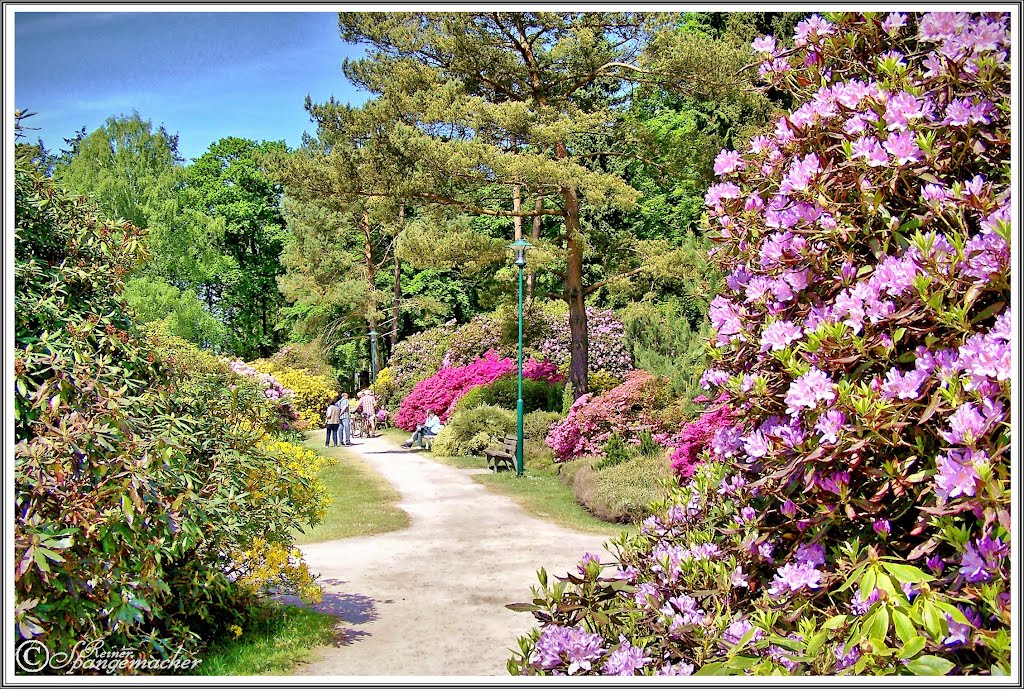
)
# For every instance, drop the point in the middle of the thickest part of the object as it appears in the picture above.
(738, 629)
(810, 553)
(794, 577)
(625, 660)
(973, 566)
(779, 335)
(829, 425)
(728, 161)
(903, 385)
(676, 670)
(808, 390)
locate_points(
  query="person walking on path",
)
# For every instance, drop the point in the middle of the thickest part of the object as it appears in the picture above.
(332, 419)
(368, 409)
(345, 428)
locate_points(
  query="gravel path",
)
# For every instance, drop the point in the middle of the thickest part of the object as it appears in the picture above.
(429, 600)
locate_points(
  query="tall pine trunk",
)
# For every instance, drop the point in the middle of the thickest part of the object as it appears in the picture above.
(371, 276)
(396, 308)
(531, 275)
(579, 344)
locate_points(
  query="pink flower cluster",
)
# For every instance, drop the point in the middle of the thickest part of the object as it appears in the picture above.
(440, 392)
(696, 438)
(272, 390)
(627, 409)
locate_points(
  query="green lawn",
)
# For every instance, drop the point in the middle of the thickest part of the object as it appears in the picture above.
(278, 638)
(540, 492)
(362, 503)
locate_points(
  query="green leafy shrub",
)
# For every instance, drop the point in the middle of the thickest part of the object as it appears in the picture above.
(471, 431)
(536, 424)
(183, 313)
(624, 491)
(151, 505)
(615, 452)
(666, 342)
(648, 445)
(538, 395)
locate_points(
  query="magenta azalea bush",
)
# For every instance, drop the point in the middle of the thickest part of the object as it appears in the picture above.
(628, 409)
(709, 435)
(859, 521)
(439, 393)
(417, 357)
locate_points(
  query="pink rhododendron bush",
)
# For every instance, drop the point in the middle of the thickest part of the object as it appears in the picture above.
(440, 392)
(628, 409)
(857, 517)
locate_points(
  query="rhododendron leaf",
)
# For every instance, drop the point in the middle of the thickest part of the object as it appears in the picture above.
(816, 641)
(930, 665)
(992, 310)
(835, 622)
(877, 626)
(712, 669)
(742, 662)
(522, 607)
(785, 642)
(953, 611)
(867, 582)
(912, 647)
(904, 627)
(923, 549)
(906, 573)
(934, 622)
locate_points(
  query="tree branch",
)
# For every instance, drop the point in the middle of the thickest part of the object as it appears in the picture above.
(598, 285)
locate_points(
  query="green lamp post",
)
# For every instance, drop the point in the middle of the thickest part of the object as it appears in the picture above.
(520, 246)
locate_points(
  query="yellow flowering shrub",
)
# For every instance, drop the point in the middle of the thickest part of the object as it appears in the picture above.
(270, 561)
(311, 393)
(384, 387)
(267, 565)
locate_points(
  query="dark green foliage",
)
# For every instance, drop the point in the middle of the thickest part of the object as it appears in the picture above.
(134, 465)
(538, 395)
(229, 184)
(648, 447)
(668, 339)
(615, 452)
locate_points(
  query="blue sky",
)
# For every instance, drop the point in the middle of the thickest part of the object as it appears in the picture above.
(204, 75)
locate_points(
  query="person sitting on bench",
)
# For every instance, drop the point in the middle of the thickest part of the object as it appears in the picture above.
(428, 429)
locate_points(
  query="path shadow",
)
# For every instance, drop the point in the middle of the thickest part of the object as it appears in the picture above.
(353, 608)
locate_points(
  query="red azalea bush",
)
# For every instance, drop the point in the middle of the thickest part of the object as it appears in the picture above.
(440, 392)
(628, 409)
(862, 525)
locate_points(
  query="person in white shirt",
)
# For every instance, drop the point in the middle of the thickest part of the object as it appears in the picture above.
(332, 418)
(429, 428)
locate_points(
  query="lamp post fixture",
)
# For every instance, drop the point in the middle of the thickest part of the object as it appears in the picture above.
(373, 356)
(520, 246)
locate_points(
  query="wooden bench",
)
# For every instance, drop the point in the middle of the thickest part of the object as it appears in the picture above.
(504, 457)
